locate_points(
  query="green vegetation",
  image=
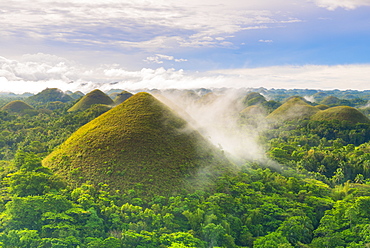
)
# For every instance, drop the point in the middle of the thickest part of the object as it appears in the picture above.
(312, 190)
(94, 97)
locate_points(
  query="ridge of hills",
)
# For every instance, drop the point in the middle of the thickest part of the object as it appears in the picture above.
(140, 143)
(91, 98)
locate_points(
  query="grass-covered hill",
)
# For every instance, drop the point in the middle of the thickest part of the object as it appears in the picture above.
(253, 98)
(293, 109)
(341, 113)
(50, 95)
(16, 106)
(208, 98)
(322, 106)
(76, 95)
(253, 110)
(319, 96)
(335, 101)
(139, 144)
(94, 97)
(121, 97)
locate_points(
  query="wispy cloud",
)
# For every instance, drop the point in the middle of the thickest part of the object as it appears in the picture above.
(159, 58)
(266, 41)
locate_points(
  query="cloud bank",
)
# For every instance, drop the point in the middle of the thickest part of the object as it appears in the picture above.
(34, 73)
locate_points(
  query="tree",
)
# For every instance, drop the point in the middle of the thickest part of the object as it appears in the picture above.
(272, 240)
(297, 229)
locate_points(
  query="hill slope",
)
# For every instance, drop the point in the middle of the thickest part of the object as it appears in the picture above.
(295, 108)
(16, 106)
(94, 97)
(140, 143)
(253, 98)
(341, 113)
(49, 95)
(121, 97)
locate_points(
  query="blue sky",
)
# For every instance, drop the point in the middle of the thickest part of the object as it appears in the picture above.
(86, 44)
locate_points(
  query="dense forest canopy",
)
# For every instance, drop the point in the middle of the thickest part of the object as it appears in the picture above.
(296, 180)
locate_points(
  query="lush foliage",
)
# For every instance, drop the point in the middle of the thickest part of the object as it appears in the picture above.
(316, 193)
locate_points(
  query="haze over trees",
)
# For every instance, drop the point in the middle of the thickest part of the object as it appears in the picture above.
(185, 168)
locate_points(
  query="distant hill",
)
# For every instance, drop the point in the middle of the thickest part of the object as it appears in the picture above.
(94, 97)
(322, 106)
(254, 111)
(76, 95)
(16, 106)
(121, 97)
(141, 143)
(253, 98)
(253, 115)
(341, 113)
(208, 98)
(319, 96)
(295, 108)
(335, 101)
(49, 95)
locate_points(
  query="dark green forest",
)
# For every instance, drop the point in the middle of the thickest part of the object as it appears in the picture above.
(312, 191)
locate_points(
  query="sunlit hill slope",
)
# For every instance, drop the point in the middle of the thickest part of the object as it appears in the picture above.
(142, 144)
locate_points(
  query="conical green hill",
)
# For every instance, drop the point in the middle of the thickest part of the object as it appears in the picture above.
(322, 106)
(330, 100)
(253, 98)
(94, 97)
(140, 143)
(16, 106)
(319, 96)
(76, 95)
(294, 109)
(254, 111)
(208, 98)
(121, 97)
(341, 113)
(49, 95)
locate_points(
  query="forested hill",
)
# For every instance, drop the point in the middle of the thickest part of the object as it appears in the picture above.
(310, 188)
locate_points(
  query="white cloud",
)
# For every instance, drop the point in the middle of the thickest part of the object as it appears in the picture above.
(34, 73)
(346, 4)
(309, 76)
(158, 59)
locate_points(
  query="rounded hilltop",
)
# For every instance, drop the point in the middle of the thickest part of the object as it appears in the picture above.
(94, 97)
(16, 106)
(49, 95)
(121, 97)
(341, 113)
(141, 143)
(293, 109)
